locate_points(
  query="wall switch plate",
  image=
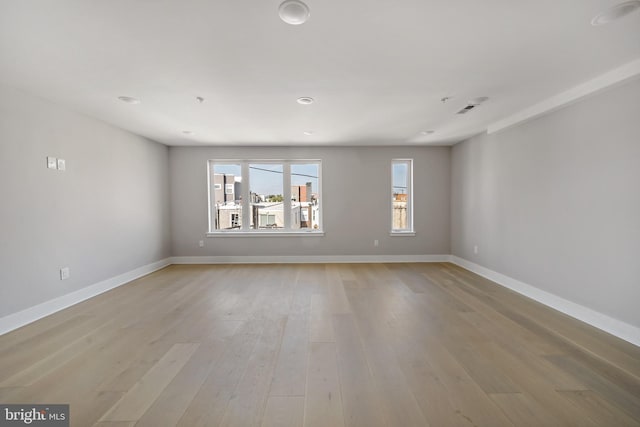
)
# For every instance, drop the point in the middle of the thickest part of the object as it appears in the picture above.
(64, 273)
(475, 249)
(62, 164)
(52, 163)
(201, 243)
(375, 243)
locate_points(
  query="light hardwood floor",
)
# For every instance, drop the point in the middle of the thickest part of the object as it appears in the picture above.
(321, 345)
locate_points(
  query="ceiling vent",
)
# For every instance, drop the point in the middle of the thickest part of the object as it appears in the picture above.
(472, 104)
(466, 109)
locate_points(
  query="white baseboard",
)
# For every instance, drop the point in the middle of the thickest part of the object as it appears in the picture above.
(608, 324)
(31, 314)
(596, 319)
(310, 259)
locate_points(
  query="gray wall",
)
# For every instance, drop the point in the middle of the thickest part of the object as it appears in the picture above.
(355, 193)
(107, 214)
(555, 202)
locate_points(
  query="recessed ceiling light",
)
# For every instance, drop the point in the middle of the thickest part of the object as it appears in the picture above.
(615, 12)
(308, 132)
(200, 99)
(129, 99)
(479, 100)
(305, 100)
(427, 132)
(188, 132)
(294, 12)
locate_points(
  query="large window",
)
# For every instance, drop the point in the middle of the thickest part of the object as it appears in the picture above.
(401, 196)
(264, 196)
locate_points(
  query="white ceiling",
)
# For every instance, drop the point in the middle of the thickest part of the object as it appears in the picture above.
(377, 69)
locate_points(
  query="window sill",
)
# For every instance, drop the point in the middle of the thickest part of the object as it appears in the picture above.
(266, 234)
(402, 233)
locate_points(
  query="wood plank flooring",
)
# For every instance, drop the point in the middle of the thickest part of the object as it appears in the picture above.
(321, 345)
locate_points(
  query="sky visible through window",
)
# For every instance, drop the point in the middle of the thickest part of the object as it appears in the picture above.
(267, 178)
(400, 178)
(228, 169)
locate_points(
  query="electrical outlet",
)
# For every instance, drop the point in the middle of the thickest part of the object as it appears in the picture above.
(201, 243)
(64, 273)
(475, 249)
(62, 165)
(52, 163)
(375, 243)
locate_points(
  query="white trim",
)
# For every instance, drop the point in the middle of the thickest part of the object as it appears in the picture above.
(601, 321)
(409, 163)
(265, 233)
(14, 321)
(286, 191)
(615, 76)
(402, 233)
(608, 324)
(310, 259)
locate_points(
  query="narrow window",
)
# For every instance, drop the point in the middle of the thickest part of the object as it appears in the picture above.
(401, 195)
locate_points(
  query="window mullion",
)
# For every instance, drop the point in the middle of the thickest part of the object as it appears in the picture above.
(246, 207)
(286, 206)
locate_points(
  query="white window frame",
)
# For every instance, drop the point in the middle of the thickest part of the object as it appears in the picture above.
(409, 231)
(245, 229)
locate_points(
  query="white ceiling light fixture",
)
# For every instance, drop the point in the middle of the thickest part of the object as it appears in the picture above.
(305, 100)
(615, 12)
(308, 132)
(188, 132)
(479, 100)
(294, 12)
(129, 99)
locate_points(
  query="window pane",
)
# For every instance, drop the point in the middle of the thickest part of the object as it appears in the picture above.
(401, 195)
(226, 197)
(305, 196)
(266, 196)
